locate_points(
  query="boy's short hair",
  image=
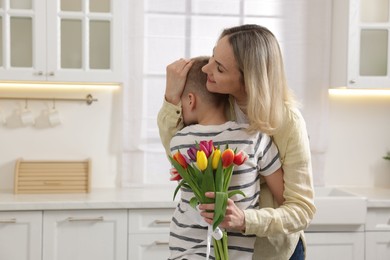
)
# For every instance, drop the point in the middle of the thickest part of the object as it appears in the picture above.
(196, 83)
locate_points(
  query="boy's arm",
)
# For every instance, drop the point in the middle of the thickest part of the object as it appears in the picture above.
(276, 185)
(169, 121)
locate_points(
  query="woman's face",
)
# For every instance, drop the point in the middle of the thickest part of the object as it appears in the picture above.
(223, 75)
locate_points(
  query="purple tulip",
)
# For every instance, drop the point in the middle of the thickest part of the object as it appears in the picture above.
(207, 147)
(192, 153)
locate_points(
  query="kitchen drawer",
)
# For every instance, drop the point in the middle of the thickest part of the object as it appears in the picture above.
(378, 219)
(148, 246)
(150, 220)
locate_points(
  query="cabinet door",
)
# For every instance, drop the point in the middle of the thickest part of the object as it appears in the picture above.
(23, 40)
(84, 40)
(368, 54)
(335, 246)
(378, 245)
(21, 235)
(85, 234)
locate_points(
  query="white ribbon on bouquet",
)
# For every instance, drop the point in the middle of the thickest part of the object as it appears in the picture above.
(198, 219)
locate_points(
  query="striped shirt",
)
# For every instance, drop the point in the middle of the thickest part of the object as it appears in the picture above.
(187, 238)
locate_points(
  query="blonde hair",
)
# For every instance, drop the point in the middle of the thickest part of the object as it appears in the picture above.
(196, 83)
(260, 62)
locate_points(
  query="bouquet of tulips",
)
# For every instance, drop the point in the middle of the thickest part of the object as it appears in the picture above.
(207, 168)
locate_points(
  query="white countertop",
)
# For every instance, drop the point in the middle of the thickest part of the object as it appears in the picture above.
(121, 198)
(137, 197)
(376, 197)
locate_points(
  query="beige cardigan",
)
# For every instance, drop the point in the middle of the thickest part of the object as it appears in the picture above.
(278, 229)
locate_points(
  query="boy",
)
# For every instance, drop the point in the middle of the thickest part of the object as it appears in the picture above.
(205, 119)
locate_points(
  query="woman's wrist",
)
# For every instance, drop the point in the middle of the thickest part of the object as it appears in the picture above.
(172, 99)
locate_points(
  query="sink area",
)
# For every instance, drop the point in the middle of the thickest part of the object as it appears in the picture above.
(336, 206)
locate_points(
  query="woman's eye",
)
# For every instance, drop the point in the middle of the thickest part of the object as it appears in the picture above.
(219, 69)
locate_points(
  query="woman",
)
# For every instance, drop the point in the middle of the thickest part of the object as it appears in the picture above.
(247, 64)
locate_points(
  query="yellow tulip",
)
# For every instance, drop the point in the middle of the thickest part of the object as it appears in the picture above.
(216, 158)
(201, 160)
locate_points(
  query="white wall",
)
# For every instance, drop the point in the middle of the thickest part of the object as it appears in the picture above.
(359, 136)
(86, 132)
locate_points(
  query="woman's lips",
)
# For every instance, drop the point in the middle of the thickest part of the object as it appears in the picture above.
(210, 80)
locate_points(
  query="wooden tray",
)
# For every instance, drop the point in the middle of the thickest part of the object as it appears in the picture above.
(52, 176)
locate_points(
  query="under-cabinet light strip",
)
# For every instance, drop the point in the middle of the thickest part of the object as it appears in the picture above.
(359, 92)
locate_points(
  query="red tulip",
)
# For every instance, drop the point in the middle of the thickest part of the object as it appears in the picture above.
(178, 157)
(240, 158)
(227, 157)
(175, 176)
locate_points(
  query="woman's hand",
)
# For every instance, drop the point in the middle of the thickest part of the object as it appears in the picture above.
(234, 217)
(176, 79)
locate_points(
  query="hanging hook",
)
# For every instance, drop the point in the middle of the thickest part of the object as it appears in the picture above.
(26, 104)
(54, 103)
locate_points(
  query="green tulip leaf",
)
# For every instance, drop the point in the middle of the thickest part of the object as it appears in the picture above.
(220, 208)
(235, 192)
(181, 183)
(194, 202)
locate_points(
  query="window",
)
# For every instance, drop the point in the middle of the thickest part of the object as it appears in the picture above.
(166, 30)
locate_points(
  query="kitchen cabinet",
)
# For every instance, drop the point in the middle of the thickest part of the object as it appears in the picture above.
(335, 245)
(21, 235)
(378, 234)
(61, 40)
(360, 44)
(85, 234)
(149, 233)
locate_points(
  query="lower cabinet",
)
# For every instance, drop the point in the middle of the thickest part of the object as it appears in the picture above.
(378, 234)
(149, 233)
(335, 246)
(21, 235)
(85, 234)
(378, 245)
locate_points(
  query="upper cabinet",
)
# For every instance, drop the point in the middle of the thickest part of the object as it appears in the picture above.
(360, 44)
(61, 40)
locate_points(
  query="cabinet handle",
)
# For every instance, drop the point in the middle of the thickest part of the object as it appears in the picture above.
(160, 243)
(39, 73)
(8, 221)
(98, 219)
(51, 73)
(352, 81)
(162, 222)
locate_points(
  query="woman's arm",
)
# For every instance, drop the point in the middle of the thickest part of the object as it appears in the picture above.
(169, 122)
(169, 117)
(298, 209)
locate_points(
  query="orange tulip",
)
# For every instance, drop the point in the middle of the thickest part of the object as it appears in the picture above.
(227, 157)
(178, 157)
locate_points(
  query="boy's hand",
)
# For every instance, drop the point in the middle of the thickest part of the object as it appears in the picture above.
(234, 217)
(176, 79)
